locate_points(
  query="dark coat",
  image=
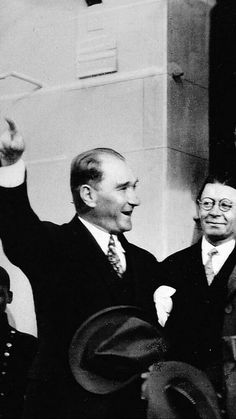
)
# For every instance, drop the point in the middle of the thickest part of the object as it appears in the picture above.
(17, 351)
(71, 279)
(194, 327)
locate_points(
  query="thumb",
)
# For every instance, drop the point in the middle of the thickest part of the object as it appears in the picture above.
(12, 125)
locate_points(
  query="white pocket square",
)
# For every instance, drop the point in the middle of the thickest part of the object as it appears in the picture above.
(163, 302)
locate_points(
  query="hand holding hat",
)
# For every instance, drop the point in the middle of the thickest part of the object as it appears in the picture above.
(175, 390)
(113, 347)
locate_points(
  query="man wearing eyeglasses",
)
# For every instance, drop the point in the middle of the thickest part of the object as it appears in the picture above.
(192, 301)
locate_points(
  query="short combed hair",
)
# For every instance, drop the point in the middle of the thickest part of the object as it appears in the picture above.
(86, 168)
(225, 178)
(4, 278)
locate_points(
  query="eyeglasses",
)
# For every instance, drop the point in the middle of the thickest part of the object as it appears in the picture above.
(208, 203)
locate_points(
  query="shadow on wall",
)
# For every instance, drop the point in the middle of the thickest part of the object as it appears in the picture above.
(222, 86)
(222, 109)
(222, 92)
(187, 180)
(199, 171)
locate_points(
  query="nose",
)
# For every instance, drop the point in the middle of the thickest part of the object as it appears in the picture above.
(133, 198)
(215, 211)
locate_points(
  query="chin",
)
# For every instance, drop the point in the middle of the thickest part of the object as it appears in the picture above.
(128, 227)
(214, 232)
(215, 238)
(123, 229)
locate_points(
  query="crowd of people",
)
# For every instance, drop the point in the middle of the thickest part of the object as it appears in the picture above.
(167, 349)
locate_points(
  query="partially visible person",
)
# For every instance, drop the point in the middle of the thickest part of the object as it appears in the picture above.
(76, 269)
(17, 351)
(192, 302)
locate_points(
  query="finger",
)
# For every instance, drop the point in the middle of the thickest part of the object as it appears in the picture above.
(12, 126)
(151, 368)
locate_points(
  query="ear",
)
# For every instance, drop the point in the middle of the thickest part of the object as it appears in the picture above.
(88, 195)
(198, 211)
(9, 297)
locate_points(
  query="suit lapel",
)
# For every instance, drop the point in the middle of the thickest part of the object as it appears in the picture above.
(227, 268)
(130, 265)
(196, 268)
(134, 265)
(87, 253)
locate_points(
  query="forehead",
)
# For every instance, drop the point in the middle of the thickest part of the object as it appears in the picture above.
(116, 170)
(219, 191)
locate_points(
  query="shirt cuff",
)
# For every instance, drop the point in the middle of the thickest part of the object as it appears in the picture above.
(13, 175)
(163, 302)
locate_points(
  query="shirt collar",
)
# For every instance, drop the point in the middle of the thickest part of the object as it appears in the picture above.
(101, 237)
(224, 248)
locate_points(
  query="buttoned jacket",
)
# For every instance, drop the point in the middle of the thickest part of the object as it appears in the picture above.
(70, 275)
(194, 326)
(17, 351)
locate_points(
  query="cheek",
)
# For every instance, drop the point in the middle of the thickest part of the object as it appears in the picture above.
(202, 214)
(112, 204)
(231, 220)
(108, 208)
(233, 216)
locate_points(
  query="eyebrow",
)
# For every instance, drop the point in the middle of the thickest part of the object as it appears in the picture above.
(216, 200)
(123, 185)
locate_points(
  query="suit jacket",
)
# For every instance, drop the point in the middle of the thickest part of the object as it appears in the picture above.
(194, 326)
(71, 277)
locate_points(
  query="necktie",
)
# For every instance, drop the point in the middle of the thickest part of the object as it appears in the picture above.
(208, 266)
(114, 258)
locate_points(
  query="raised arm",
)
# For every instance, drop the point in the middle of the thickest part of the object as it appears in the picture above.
(26, 240)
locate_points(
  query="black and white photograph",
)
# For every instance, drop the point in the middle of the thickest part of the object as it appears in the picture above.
(117, 209)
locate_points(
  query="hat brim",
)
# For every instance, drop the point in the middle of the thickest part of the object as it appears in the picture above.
(173, 386)
(88, 379)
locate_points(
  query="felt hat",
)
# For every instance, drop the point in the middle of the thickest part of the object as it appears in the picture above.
(176, 390)
(113, 347)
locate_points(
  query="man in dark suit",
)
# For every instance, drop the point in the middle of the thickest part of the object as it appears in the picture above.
(75, 270)
(17, 351)
(192, 300)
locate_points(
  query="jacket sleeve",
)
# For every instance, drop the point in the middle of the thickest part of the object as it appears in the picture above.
(26, 240)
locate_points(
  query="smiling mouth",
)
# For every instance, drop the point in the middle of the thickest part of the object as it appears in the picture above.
(127, 213)
(215, 224)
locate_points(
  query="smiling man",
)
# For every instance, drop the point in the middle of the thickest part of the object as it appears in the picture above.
(76, 270)
(217, 214)
(108, 199)
(192, 301)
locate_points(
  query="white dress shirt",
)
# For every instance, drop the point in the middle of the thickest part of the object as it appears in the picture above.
(219, 259)
(162, 296)
(102, 238)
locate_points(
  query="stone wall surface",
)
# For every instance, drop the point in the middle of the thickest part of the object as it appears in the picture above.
(103, 76)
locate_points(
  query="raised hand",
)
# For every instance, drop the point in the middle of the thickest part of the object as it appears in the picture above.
(11, 145)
